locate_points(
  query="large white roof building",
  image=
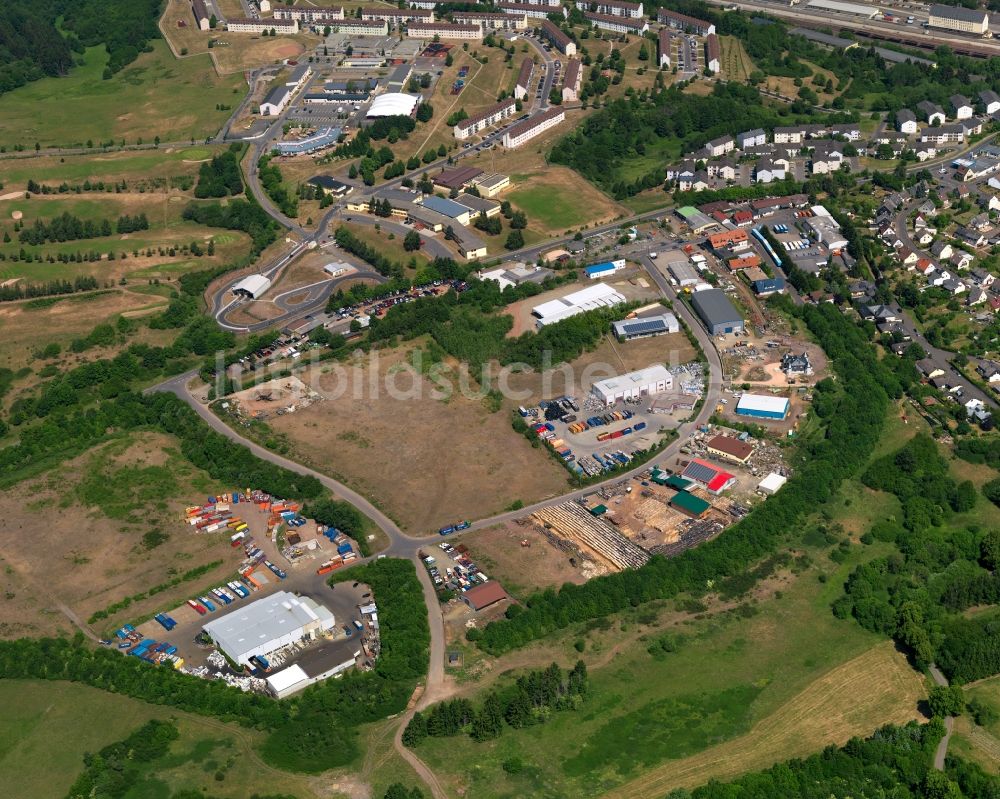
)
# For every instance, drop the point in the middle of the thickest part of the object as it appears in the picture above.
(589, 299)
(252, 286)
(651, 380)
(393, 104)
(267, 625)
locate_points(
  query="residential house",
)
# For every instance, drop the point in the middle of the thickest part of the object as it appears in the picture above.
(990, 100)
(906, 122)
(942, 250)
(767, 171)
(720, 146)
(961, 108)
(982, 277)
(931, 112)
(970, 236)
(961, 259)
(877, 313)
(989, 371)
(751, 138)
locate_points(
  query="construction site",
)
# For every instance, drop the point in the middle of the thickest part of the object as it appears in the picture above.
(273, 398)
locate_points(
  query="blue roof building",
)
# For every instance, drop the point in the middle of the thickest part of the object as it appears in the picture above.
(448, 208)
(604, 269)
(771, 285)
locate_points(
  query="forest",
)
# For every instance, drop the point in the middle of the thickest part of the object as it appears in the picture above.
(919, 594)
(221, 177)
(854, 415)
(310, 732)
(32, 47)
(240, 214)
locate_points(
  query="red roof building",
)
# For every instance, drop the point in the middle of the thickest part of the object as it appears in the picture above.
(728, 238)
(708, 476)
(483, 595)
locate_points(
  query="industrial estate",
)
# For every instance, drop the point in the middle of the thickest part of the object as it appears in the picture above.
(500, 399)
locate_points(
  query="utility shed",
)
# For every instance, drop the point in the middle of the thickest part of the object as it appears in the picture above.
(772, 483)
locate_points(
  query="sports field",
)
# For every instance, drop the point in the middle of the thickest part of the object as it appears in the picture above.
(56, 723)
(156, 95)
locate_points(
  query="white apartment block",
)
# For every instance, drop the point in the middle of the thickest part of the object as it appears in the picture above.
(443, 30)
(523, 132)
(310, 14)
(259, 26)
(491, 116)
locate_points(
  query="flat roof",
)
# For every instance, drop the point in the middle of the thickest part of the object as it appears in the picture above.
(657, 373)
(714, 307)
(286, 678)
(772, 482)
(762, 402)
(845, 8)
(449, 208)
(264, 620)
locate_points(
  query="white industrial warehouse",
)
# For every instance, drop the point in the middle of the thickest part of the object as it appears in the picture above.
(588, 299)
(252, 286)
(268, 624)
(651, 380)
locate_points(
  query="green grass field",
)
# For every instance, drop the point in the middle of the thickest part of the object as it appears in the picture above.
(167, 228)
(47, 727)
(144, 165)
(156, 95)
(730, 675)
(550, 206)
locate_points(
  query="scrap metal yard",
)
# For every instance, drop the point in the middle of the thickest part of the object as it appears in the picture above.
(281, 563)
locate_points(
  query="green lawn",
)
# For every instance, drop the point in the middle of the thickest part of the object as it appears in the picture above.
(47, 727)
(550, 206)
(729, 673)
(156, 95)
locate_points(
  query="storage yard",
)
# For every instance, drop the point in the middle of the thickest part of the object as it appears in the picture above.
(669, 507)
(592, 436)
(276, 614)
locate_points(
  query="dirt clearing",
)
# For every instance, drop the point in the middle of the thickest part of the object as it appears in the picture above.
(428, 461)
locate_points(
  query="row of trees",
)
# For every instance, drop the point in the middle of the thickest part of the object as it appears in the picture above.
(24, 291)
(854, 424)
(67, 227)
(273, 183)
(532, 698)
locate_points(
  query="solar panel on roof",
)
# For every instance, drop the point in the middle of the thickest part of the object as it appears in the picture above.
(645, 326)
(700, 472)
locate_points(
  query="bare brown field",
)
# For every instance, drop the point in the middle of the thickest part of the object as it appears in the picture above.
(95, 553)
(521, 569)
(856, 698)
(25, 329)
(428, 461)
(236, 52)
(187, 36)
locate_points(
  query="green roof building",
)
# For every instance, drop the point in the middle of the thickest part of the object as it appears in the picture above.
(689, 504)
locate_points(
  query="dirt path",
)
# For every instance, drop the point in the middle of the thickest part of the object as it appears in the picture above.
(79, 623)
